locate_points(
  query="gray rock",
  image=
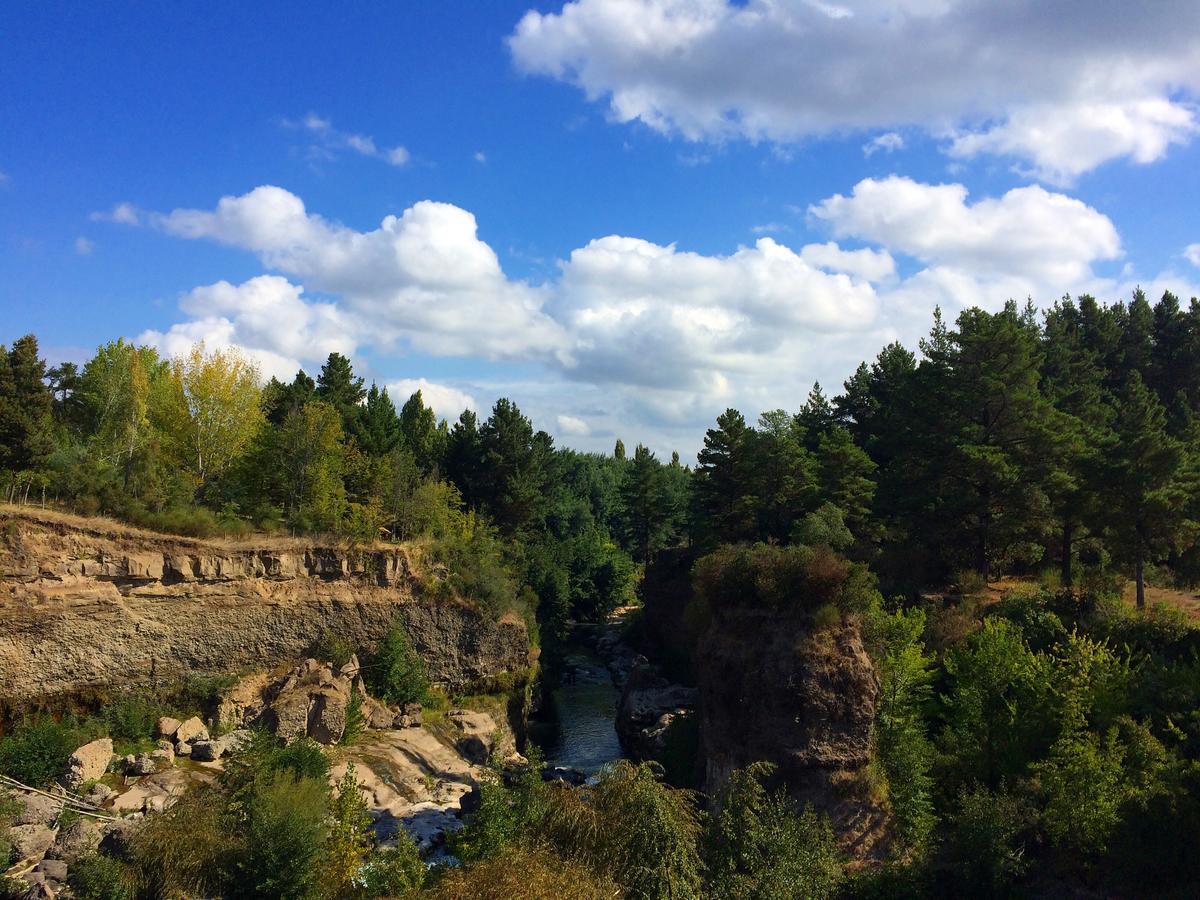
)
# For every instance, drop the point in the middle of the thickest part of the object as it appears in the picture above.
(98, 794)
(78, 839)
(167, 727)
(142, 764)
(207, 751)
(288, 714)
(236, 741)
(182, 748)
(53, 869)
(37, 810)
(327, 722)
(31, 841)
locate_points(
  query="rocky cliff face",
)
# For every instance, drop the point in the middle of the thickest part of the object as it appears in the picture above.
(774, 688)
(91, 605)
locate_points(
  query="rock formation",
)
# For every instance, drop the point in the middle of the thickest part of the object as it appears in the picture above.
(92, 605)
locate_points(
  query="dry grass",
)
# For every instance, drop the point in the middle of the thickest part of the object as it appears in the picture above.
(102, 526)
(1188, 601)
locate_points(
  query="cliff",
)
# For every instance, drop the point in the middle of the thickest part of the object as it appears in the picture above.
(87, 604)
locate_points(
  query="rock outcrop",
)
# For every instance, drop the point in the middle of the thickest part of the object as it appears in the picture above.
(650, 707)
(90, 605)
(88, 763)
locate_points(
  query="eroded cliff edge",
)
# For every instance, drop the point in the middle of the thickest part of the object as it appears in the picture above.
(92, 605)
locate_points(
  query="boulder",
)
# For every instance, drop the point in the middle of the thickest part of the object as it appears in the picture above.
(98, 794)
(236, 741)
(182, 748)
(478, 734)
(37, 810)
(287, 715)
(88, 763)
(141, 764)
(165, 754)
(117, 836)
(167, 727)
(78, 839)
(31, 841)
(327, 721)
(191, 730)
(207, 751)
(53, 869)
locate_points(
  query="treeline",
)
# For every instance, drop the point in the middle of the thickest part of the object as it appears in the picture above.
(1013, 444)
(197, 445)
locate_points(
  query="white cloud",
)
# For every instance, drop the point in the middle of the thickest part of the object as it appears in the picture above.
(121, 214)
(634, 334)
(481, 157)
(443, 399)
(573, 426)
(1065, 86)
(1192, 254)
(867, 264)
(888, 142)
(84, 247)
(329, 140)
(4, 178)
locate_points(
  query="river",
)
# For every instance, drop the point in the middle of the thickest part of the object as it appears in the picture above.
(585, 703)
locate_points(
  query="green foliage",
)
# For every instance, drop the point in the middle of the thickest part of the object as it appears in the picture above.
(1082, 780)
(35, 752)
(286, 828)
(393, 871)
(187, 850)
(985, 851)
(523, 873)
(333, 649)
(759, 847)
(99, 877)
(394, 672)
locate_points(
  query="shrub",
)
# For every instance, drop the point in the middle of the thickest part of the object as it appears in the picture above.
(395, 672)
(644, 834)
(524, 874)
(346, 845)
(781, 578)
(285, 833)
(333, 649)
(393, 872)
(1082, 783)
(507, 815)
(760, 847)
(187, 850)
(984, 846)
(37, 750)
(98, 877)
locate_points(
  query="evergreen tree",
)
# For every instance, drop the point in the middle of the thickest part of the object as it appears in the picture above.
(281, 400)
(815, 418)
(647, 513)
(619, 451)
(516, 488)
(338, 386)
(379, 430)
(464, 457)
(26, 410)
(419, 426)
(784, 474)
(725, 506)
(1148, 478)
(847, 478)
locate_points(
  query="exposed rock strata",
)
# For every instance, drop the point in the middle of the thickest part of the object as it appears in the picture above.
(97, 606)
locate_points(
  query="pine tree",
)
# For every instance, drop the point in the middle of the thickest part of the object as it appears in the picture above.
(338, 386)
(815, 418)
(847, 478)
(26, 410)
(723, 481)
(281, 400)
(1148, 480)
(515, 490)
(379, 430)
(419, 427)
(784, 475)
(646, 506)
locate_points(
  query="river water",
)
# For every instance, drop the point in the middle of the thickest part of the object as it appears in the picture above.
(586, 705)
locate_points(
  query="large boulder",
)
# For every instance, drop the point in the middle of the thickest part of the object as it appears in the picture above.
(167, 727)
(31, 841)
(478, 732)
(327, 720)
(78, 839)
(191, 730)
(287, 715)
(37, 809)
(650, 707)
(88, 763)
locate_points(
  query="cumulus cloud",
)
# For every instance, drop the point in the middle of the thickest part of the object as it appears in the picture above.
(1064, 86)
(121, 214)
(1192, 254)
(84, 247)
(329, 140)
(443, 399)
(631, 333)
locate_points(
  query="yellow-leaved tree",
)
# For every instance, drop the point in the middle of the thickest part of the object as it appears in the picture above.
(215, 410)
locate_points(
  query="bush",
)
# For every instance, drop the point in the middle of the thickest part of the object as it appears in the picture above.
(524, 874)
(333, 649)
(507, 816)
(984, 848)
(781, 578)
(37, 750)
(394, 871)
(395, 672)
(97, 877)
(760, 847)
(187, 850)
(285, 833)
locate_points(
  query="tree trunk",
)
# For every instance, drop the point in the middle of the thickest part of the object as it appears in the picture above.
(1068, 531)
(1140, 578)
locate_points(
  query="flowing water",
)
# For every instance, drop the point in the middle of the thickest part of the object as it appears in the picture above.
(586, 706)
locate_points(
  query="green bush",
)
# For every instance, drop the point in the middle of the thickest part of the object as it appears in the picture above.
(37, 750)
(187, 850)
(98, 877)
(333, 649)
(760, 847)
(984, 847)
(394, 672)
(394, 871)
(520, 873)
(286, 824)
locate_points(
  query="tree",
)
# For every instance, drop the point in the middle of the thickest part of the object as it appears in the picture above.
(815, 418)
(115, 392)
(784, 475)
(280, 400)
(619, 450)
(215, 410)
(1148, 477)
(309, 453)
(846, 476)
(464, 457)
(647, 514)
(379, 430)
(723, 479)
(516, 488)
(26, 418)
(338, 386)
(419, 427)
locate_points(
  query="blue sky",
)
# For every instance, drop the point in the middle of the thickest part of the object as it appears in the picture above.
(633, 200)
